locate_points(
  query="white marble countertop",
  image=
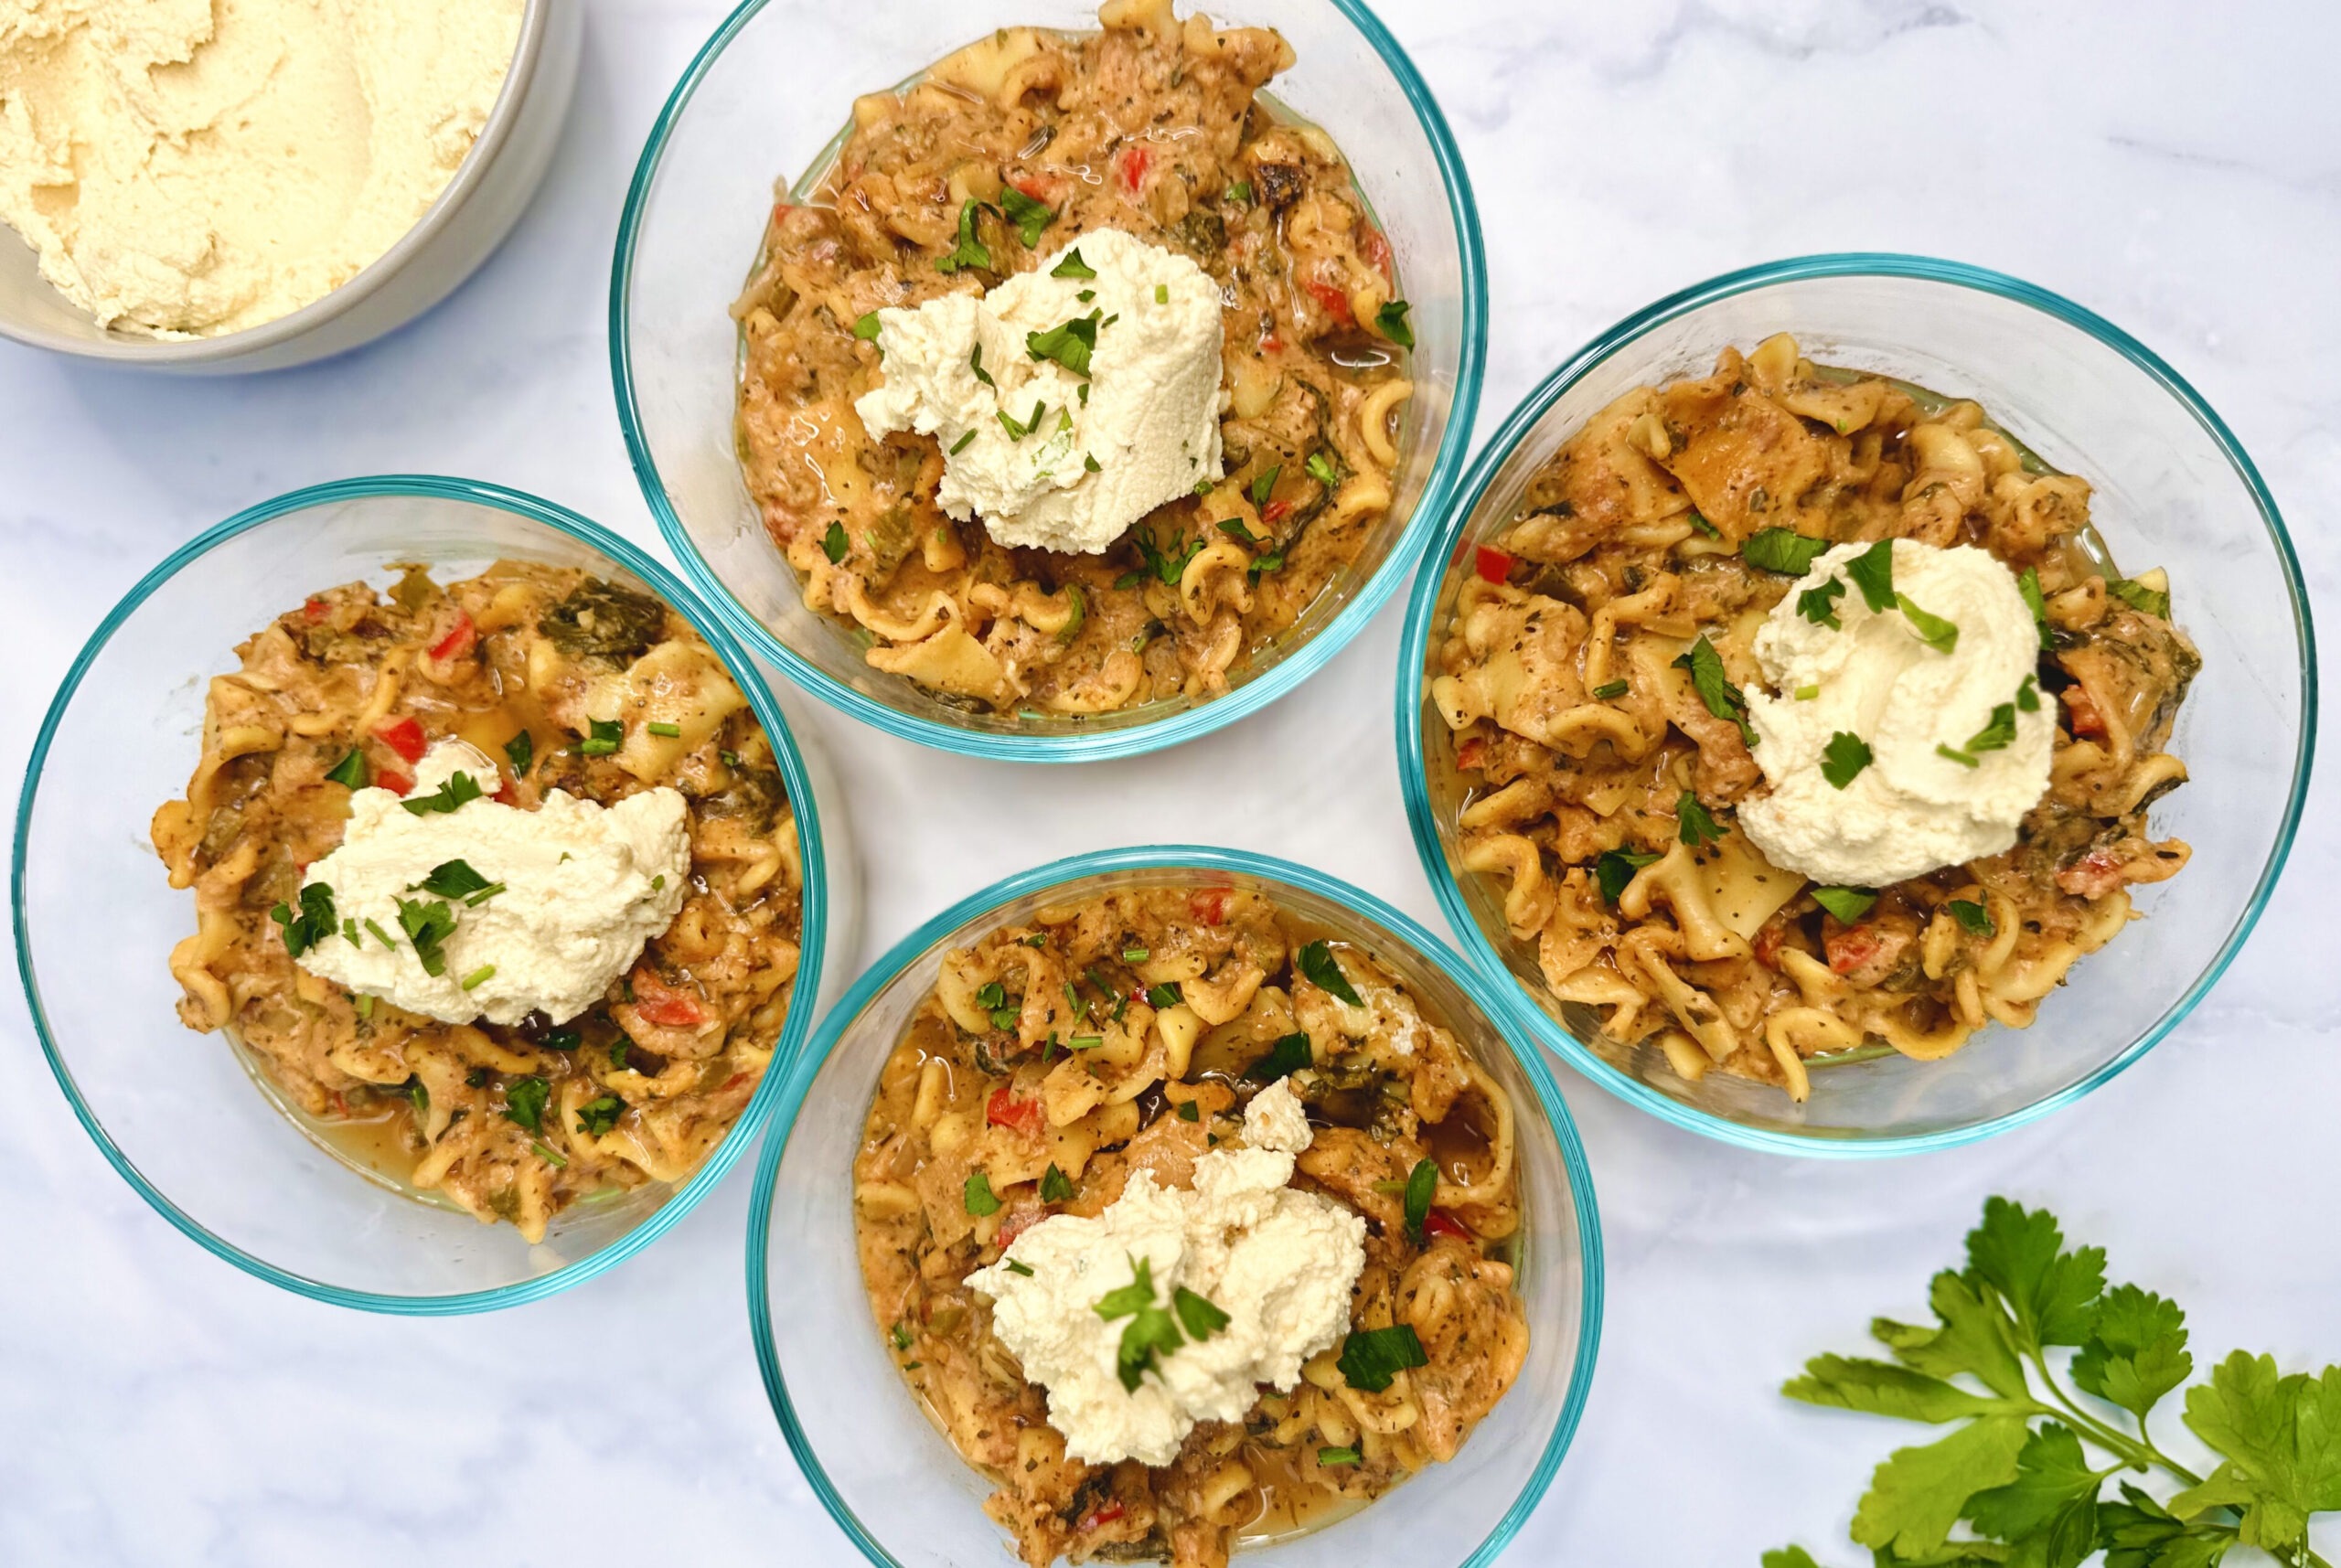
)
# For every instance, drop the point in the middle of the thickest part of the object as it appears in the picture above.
(2173, 166)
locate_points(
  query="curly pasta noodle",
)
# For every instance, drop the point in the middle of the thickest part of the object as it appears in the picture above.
(1183, 991)
(673, 1054)
(1151, 126)
(1576, 735)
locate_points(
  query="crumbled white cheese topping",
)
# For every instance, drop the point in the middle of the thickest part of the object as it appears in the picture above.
(1912, 809)
(1279, 1262)
(584, 887)
(1142, 428)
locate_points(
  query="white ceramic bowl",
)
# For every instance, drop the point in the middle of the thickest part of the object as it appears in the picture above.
(462, 227)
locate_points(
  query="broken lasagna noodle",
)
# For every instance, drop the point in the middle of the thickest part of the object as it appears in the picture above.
(1577, 734)
(1186, 992)
(665, 1064)
(1153, 127)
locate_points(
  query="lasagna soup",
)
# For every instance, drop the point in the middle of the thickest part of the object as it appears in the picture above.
(1082, 1091)
(1708, 573)
(997, 159)
(572, 709)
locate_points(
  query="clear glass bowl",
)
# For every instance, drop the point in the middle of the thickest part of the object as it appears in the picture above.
(897, 1485)
(2173, 489)
(179, 1114)
(768, 94)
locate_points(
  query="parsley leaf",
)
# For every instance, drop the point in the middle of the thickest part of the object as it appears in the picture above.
(1263, 484)
(977, 1195)
(2280, 1438)
(1030, 217)
(1699, 521)
(1972, 917)
(2051, 1503)
(970, 251)
(461, 789)
(1134, 1297)
(1289, 1055)
(834, 544)
(1882, 1388)
(454, 880)
(352, 771)
(1783, 550)
(1317, 963)
(1073, 266)
(1695, 826)
(1056, 1187)
(1844, 758)
(1999, 734)
(520, 751)
(598, 1116)
(1919, 1494)
(1872, 574)
(866, 328)
(1848, 904)
(1392, 323)
(2147, 600)
(524, 1102)
(313, 924)
(1372, 1358)
(1198, 1316)
(2136, 1352)
(1422, 1186)
(2028, 696)
(1189, 1111)
(1934, 631)
(427, 924)
(2028, 585)
(1617, 868)
(2019, 1253)
(1714, 688)
(1069, 343)
(1322, 468)
(1150, 1336)
(1819, 605)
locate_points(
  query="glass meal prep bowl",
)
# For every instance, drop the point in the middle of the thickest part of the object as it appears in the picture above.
(768, 93)
(2172, 489)
(200, 1131)
(892, 1480)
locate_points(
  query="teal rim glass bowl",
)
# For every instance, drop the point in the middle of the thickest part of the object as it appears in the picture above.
(2173, 488)
(889, 1479)
(767, 95)
(179, 1113)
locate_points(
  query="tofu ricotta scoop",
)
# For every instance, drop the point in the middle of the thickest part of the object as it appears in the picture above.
(1906, 730)
(1069, 401)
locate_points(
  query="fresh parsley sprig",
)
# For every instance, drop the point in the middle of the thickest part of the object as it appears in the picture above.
(2026, 1463)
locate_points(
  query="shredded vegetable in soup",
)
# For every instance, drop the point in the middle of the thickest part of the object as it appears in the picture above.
(577, 710)
(1002, 155)
(1073, 1079)
(1609, 649)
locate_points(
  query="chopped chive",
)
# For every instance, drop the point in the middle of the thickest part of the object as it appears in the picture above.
(478, 976)
(964, 442)
(1609, 688)
(670, 731)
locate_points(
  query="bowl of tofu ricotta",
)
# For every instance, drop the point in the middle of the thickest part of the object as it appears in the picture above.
(885, 1400)
(198, 1129)
(1838, 693)
(237, 187)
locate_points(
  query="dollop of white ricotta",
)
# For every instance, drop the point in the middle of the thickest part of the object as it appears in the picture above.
(584, 887)
(1142, 428)
(1912, 809)
(1279, 1262)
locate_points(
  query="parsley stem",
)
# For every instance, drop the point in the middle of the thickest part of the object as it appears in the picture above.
(2139, 1453)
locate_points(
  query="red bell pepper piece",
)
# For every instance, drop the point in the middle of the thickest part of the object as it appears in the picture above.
(1005, 1109)
(459, 640)
(403, 736)
(1493, 564)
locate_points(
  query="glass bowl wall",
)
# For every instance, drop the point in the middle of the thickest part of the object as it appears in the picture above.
(2173, 488)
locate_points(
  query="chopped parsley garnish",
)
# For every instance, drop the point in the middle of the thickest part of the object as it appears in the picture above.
(979, 1196)
(1699, 521)
(524, 1100)
(381, 935)
(1162, 293)
(427, 925)
(2028, 584)
(478, 976)
(1330, 1458)
(520, 751)
(1954, 754)
(1617, 868)
(1188, 1111)
(1782, 551)
(901, 1334)
(1056, 1187)
(1694, 826)
(562, 1040)
(1149, 1337)
(1167, 565)
(1322, 468)
(1372, 1358)
(1289, 1055)
(970, 251)
(1265, 484)
(1030, 217)
(1090, 465)
(1996, 736)
(1872, 574)
(460, 789)
(456, 880)
(1161, 996)
(1233, 529)
(1316, 962)
(1609, 688)
(618, 1052)
(1272, 562)
(604, 735)
(365, 1005)
(1848, 904)
(664, 731)
(1972, 917)
(976, 363)
(1819, 605)
(1073, 266)
(1934, 631)
(1715, 689)
(551, 1156)
(1392, 323)
(351, 770)
(348, 932)
(1198, 1314)
(1422, 1186)
(2146, 601)
(1038, 938)
(1134, 1297)
(2028, 696)
(993, 999)
(1240, 191)
(1069, 343)
(963, 442)
(417, 1091)
(596, 1117)
(312, 925)
(1844, 758)
(866, 328)
(834, 544)
(731, 758)
(1012, 1267)
(1137, 955)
